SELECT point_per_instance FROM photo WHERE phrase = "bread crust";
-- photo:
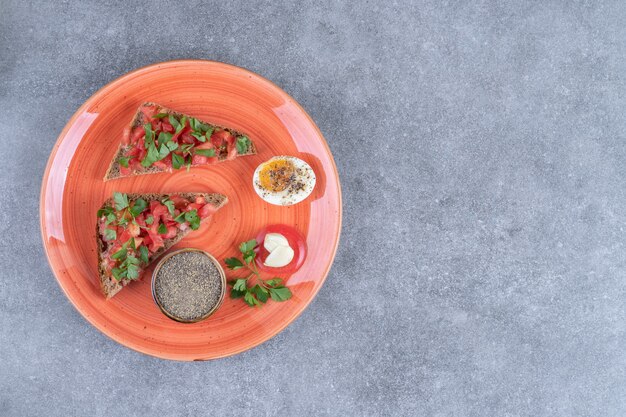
(109, 285)
(113, 171)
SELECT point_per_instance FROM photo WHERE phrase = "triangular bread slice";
(115, 169)
(108, 284)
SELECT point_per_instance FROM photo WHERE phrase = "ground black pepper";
(188, 285)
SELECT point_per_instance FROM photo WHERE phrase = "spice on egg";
(188, 286)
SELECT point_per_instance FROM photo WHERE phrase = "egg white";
(287, 197)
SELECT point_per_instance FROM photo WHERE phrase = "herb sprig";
(257, 294)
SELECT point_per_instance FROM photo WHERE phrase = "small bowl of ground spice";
(188, 285)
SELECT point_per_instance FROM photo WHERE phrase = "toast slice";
(161, 215)
(191, 142)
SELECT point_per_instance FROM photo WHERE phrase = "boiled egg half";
(280, 253)
(284, 180)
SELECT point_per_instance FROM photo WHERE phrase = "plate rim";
(44, 182)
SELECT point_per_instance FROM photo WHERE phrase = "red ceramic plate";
(73, 190)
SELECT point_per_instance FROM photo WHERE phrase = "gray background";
(482, 155)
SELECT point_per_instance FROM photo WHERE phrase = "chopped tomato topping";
(206, 211)
(187, 134)
(199, 160)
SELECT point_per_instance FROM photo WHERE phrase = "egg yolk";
(276, 175)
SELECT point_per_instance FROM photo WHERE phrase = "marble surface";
(481, 148)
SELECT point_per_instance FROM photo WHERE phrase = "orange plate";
(73, 190)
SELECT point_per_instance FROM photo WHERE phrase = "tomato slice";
(296, 241)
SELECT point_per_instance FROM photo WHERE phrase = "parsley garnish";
(177, 161)
(110, 234)
(259, 293)
(124, 161)
(138, 207)
(243, 143)
(169, 204)
(205, 152)
(121, 201)
(162, 229)
(193, 219)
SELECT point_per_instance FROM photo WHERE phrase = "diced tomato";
(159, 164)
(156, 241)
(137, 134)
(206, 211)
(187, 138)
(193, 206)
(141, 220)
(218, 137)
(156, 125)
(200, 200)
(199, 160)
(166, 126)
(138, 242)
(171, 232)
(124, 236)
(179, 202)
(148, 111)
(133, 229)
(157, 209)
(134, 165)
(126, 135)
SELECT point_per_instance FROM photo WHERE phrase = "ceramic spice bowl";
(188, 285)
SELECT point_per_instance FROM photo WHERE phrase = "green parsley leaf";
(149, 136)
(130, 260)
(205, 152)
(240, 284)
(280, 293)
(209, 132)
(110, 218)
(261, 293)
(199, 136)
(177, 161)
(163, 151)
(193, 122)
(237, 294)
(120, 254)
(164, 138)
(121, 201)
(180, 218)
(243, 143)
(233, 263)
(248, 257)
(246, 247)
(143, 254)
(149, 219)
(183, 122)
(172, 146)
(162, 229)
(274, 282)
(186, 148)
(169, 204)
(110, 234)
(105, 211)
(193, 219)
(151, 157)
(132, 271)
(119, 273)
(250, 299)
(124, 161)
(160, 115)
(138, 207)
(174, 122)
